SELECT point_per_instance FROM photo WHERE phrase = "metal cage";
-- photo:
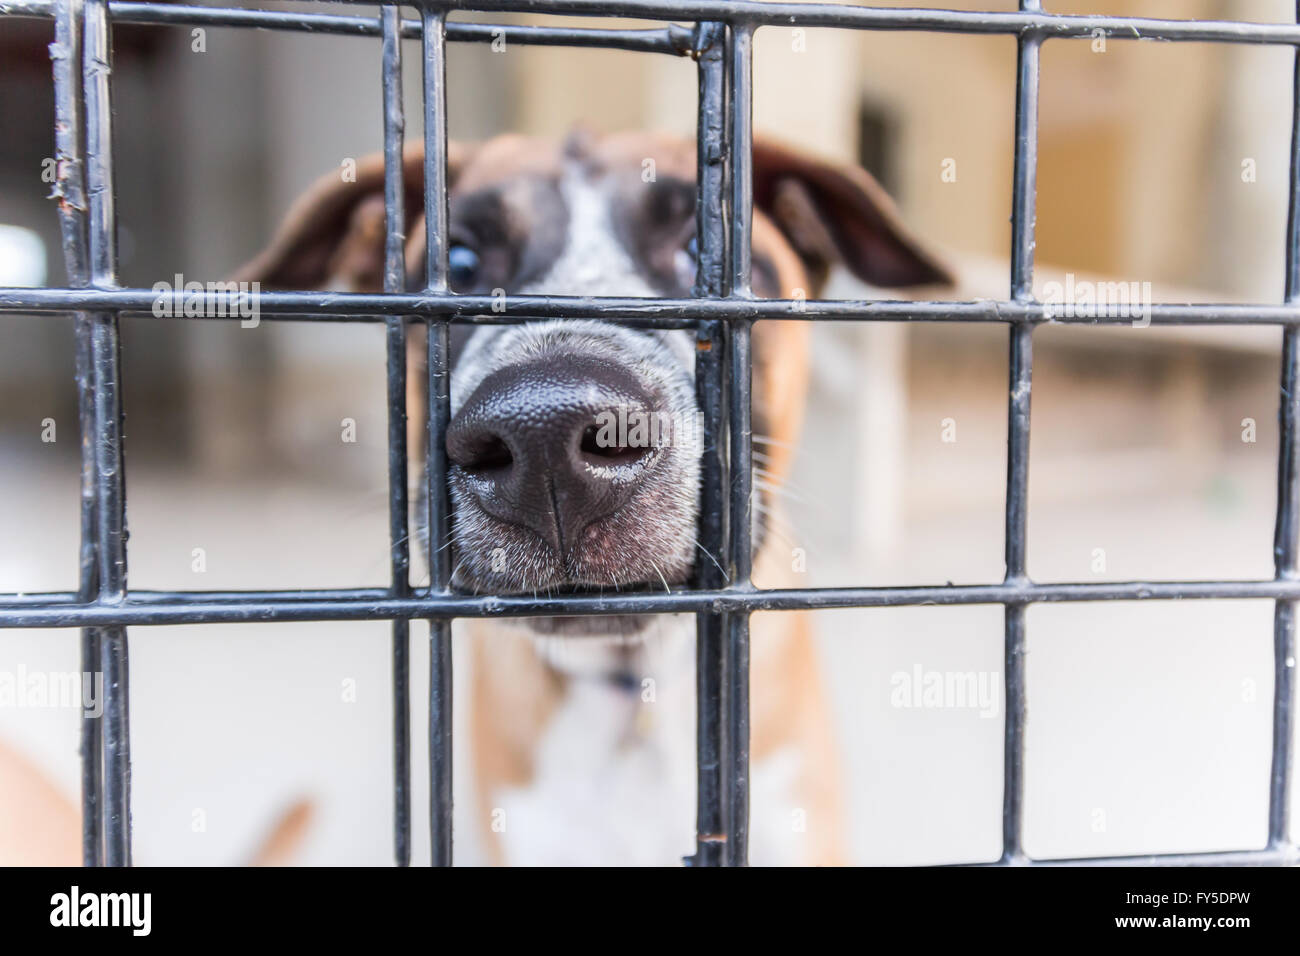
(722, 313)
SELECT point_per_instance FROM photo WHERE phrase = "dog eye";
(685, 262)
(462, 267)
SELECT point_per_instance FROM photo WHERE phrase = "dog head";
(574, 446)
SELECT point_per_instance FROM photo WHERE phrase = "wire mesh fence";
(718, 35)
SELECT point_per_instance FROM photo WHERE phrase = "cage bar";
(212, 607)
(673, 40)
(69, 188)
(740, 65)
(648, 313)
(676, 40)
(721, 314)
(439, 509)
(1287, 528)
(1020, 374)
(712, 130)
(109, 483)
(849, 17)
(398, 508)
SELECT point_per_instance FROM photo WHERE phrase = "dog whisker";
(711, 558)
(769, 440)
(780, 480)
(779, 491)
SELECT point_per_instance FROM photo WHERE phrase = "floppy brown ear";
(333, 235)
(833, 213)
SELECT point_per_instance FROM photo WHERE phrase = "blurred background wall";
(1153, 453)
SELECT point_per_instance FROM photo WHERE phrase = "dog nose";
(556, 444)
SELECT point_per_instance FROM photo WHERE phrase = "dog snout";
(546, 444)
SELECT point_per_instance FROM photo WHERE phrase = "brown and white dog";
(583, 728)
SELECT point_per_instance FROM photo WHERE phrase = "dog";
(583, 728)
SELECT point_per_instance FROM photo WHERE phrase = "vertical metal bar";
(69, 184)
(1288, 510)
(110, 488)
(1013, 748)
(398, 509)
(1020, 374)
(740, 434)
(97, 66)
(69, 190)
(435, 215)
(115, 665)
(740, 66)
(1024, 183)
(710, 380)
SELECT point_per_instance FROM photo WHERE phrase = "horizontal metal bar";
(1272, 856)
(254, 607)
(480, 309)
(674, 40)
(38, 599)
(846, 16)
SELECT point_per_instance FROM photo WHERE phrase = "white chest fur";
(615, 773)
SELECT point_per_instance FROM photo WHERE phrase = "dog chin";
(616, 626)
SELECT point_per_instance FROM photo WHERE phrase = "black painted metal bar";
(439, 510)
(1287, 528)
(115, 666)
(1020, 376)
(69, 190)
(1282, 856)
(850, 17)
(740, 65)
(676, 40)
(673, 40)
(224, 304)
(142, 597)
(712, 130)
(345, 605)
(69, 183)
(110, 487)
(398, 509)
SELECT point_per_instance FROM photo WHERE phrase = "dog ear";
(833, 213)
(333, 235)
